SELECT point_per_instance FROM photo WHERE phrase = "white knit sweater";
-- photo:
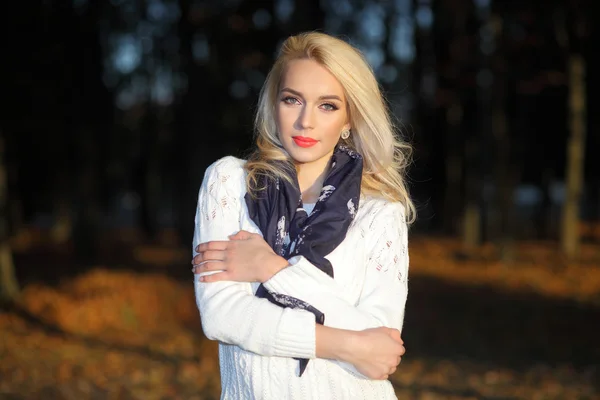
(259, 340)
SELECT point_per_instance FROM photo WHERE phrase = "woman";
(301, 251)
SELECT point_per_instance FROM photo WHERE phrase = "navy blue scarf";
(278, 212)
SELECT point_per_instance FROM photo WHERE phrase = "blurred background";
(112, 110)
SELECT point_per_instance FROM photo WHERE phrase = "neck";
(311, 177)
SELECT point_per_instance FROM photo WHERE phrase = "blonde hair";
(385, 156)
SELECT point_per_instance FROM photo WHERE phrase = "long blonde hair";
(385, 156)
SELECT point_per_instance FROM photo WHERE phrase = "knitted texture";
(259, 340)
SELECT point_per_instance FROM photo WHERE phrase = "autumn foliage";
(111, 334)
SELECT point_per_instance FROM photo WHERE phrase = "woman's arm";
(385, 284)
(230, 312)
(373, 353)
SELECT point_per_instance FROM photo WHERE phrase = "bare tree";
(502, 215)
(506, 174)
(571, 41)
(575, 155)
(9, 288)
(454, 164)
(454, 147)
(476, 141)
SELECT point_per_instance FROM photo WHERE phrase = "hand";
(377, 352)
(244, 258)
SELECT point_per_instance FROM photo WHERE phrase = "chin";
(306, 156)
(303, 159)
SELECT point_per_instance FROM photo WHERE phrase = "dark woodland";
(112, 110)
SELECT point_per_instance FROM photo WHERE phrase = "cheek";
(285, 119)
(333, 128)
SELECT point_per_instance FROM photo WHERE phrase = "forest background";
(113, 110)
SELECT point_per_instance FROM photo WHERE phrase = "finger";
(219, 276)
(212, 255)
(395, 334)
(402, 350)
(209, 266)
(214, 245)
(399, 361)
(392, 370)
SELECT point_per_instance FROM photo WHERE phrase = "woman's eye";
(329, 107)
(290, 100)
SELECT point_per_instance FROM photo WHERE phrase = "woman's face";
(311, 112)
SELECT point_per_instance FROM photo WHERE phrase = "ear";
(347, 126)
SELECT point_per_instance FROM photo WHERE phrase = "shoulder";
(383, 227)
(225, 174)
(377, 216)
(227, 165)
(377, 210)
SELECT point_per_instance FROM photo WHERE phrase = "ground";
(475, 328)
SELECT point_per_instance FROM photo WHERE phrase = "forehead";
(310, 78)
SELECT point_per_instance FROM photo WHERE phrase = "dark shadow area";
(49, 266)
(416, 389)
(54, 330)
(482, 324)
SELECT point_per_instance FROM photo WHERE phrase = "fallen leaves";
(123, 335)
(538, 267)
(119, 307)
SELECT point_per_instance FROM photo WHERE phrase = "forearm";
(306, 282)
(233, 315)
(364, 354)
(333, 343)
(384, 285)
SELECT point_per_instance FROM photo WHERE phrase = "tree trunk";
(454, 167)
(9, 288)
(148, 180)
(194, 111)
(575, 156)
(89, 132)
(486, 96)
(472, 225)
(502, 229)
(547, 221)
(502, 216)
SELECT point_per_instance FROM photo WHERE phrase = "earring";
(345, 134)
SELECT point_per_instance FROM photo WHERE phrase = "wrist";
(336, 344)
(349, 344)
(275, 264)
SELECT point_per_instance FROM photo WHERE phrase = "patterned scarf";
(279, 213)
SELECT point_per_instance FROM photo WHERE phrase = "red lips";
(303, 141)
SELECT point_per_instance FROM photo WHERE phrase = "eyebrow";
(325, 97)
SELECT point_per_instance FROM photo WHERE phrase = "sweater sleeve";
(229, 311)
(385, 283)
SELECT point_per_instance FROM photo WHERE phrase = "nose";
(305, 119)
